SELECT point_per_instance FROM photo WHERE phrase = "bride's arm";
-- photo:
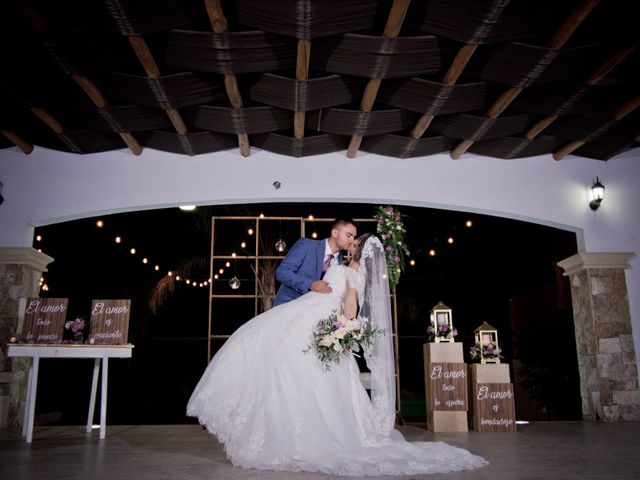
(350, 307)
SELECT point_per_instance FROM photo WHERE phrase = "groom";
(302, 269)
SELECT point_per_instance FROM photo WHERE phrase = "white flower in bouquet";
(336, 335)
(353, 325)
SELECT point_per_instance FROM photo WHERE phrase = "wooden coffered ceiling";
(402, 78)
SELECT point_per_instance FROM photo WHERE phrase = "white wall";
(49, 186)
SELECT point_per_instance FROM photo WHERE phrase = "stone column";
(606, 354)
(20, 271)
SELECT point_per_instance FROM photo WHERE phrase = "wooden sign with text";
(44, 320)
(110, 322)
(494, 407)
(447, 386)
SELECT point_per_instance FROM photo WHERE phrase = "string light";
(310, 217)
(450, 240)
(133, 251)
(228, 264)
(412, 262)
(250, 231)
(99, 224)
(118, 239)
(156, 268)
(39, 238)
(145, 260)
(468, 223)
(432, 252)
(221, 271)
(314, 235)
(243, 245)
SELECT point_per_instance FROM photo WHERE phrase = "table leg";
(25, 417)
(94, 390)
(103, 398)
(33, 382)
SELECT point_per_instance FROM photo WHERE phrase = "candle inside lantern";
(441, 318)
(486, 339)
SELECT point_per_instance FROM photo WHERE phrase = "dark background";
(499, 270)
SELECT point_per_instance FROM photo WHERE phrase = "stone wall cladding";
(606, 354)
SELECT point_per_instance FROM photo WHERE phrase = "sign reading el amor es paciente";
(494, 407)
(110, 322)
(44, 320)
(447, 386)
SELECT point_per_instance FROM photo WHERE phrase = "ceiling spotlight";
(277, 185)
(187, 208)
(597, 194)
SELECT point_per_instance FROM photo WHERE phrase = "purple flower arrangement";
(477, 352)
(442, 331)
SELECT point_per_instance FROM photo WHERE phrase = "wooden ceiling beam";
(145, 57)
(391, 30)
(219, 25)
(559, 39)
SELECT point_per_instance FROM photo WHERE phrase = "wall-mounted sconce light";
(597, 194)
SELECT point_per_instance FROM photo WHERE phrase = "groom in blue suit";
(301, 270)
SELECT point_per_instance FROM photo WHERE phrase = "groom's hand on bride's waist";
(320, 286)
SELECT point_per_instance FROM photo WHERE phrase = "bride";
(277, 408)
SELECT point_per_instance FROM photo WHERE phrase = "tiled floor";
(549, 451)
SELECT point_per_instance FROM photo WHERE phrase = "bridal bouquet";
(336, 335)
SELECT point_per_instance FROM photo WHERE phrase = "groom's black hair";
(343, 221)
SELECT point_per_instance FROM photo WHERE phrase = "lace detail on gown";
(276, 408)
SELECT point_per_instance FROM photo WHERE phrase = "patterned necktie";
(327, 263)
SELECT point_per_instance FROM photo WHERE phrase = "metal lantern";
(442, 323)
(487, 343)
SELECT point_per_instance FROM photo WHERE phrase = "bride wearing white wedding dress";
(277, 408)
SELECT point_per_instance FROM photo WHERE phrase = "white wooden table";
(97, 352)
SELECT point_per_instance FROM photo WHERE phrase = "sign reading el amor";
(494, 407)
(44, 320)
(447, 386)
(110, 322)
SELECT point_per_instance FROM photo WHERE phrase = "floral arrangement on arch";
(336, 335)
(392, 232)
(443, 331)
(478, 352)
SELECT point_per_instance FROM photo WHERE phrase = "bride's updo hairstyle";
(362, 239)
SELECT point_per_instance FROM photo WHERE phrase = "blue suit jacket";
(300, 268)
